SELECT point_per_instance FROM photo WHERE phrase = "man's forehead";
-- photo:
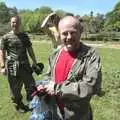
(15, 19)
(69, 20)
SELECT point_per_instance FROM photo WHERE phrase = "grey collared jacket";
(83, 81)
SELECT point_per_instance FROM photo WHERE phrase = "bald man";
(75, 72)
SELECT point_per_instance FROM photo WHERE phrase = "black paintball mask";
(38, 69)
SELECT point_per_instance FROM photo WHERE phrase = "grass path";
(115, 45)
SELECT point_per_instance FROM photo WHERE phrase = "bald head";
(70, 20)
(70, 32)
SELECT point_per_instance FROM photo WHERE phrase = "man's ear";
(80, 28)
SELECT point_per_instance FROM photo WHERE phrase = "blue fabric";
(40, 110)
(44, 107)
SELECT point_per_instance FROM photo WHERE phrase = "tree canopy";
(32, 19)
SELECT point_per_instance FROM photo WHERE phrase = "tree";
(112, 19)
(4, 13)
(13, 11)
(60, 13)
(31, 20)
(25, 17)
(45, 10)
(97, 23)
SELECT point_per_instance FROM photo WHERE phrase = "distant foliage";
(96, 27)
(31, 20)
(112, 22)
(102, 36)
(4, 28)
(4, 13)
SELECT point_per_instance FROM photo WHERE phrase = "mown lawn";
(106, 107)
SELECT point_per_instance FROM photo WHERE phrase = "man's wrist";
(2, 66)
(35, 62)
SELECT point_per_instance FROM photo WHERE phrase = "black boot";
(20, 107)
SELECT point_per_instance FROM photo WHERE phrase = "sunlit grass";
(104, 108)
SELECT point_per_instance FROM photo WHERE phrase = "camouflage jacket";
(15, 48)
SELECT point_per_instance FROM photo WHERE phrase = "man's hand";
(34, 64)
(40, 87)
(38, 68)
(50, 88)
(3, 71)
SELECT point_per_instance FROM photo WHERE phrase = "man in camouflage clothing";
(75, 72)
(13, 53)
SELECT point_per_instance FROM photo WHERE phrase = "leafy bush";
(4, 28)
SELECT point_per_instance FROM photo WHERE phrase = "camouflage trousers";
(16, 83)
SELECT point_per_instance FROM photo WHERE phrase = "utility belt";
(14, 65)
(16, 59)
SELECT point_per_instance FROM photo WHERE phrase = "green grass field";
(106, 107)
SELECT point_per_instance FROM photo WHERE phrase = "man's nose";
(69, 36)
